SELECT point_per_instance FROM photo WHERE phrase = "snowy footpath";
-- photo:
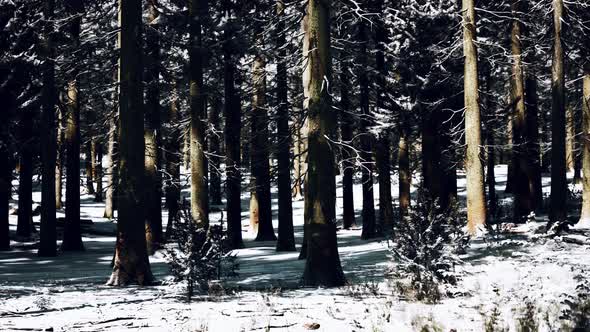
(507, 281)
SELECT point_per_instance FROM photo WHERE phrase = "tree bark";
(199, 190)
(585, 214)
(89, 162)
(152, 136)
(286, 238)
(383, 155)
(570, 136)
(558, 164)
(98, 196)
(534, 153)
(215, 153)
(522, 168)
(111, 169)
(59, 161)
(131, 262)
(348, 162)
(322, 267)
(404, 172)
(368, 212)
(48, 233)
(173, 160)
(260, 199)
(24, 228)
(232, 116)
(476, 205)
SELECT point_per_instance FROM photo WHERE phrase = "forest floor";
(507, 280)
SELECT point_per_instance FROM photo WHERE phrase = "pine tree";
(131, 262)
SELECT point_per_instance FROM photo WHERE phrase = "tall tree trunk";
(89, 164)
(72, 239)
(286, 238)
(59, 160)
(534, 153)
(260, 199)
(476, 202)
(152, 136)
(232, 133)
(173, 159)
(199, 190)
(404, 172)
(24, 226)
(348, 162)
(322, 267)
(111, 169)
(366, 148)
(48, 233)
(383, 155)
(570, 136)
(585, 214)
(299, 164)
(522, 169)
(131, 262)
(215, 153)
(558, 165)
(98, 196)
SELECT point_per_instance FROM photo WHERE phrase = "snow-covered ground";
(518, 273)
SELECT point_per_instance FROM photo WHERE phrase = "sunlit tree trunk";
(322, 267)
(59, 161)
(404, 172)
(152, 135)
(570, 135)
(199, 190)
(476, 204)
(48, 233)
(98, 197)
(111, 169)
(131, 262)
(558, 165)
(260, 200)
(286, 238)
(585, 215)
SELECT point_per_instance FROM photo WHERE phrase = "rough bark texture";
(48, 234)
(366, 146)
(232, 115)
(131, 263)
(570, 135)
(558, 166)
(300, 164)
(98, 196)
(522, 168)
(476, 204)
(322, 267)
(260, 199)
(89, 160)
(24, 227)
(152, 136)
(111, 169)
(59, 161)
(286, 237)
(348, 162)
(199, 188)
(585, 215)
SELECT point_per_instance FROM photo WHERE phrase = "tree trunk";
(476, 204)
(48, 233)
(348, 162)
(299, 164)
(585, 215)
(366, 148)
(570, 136)
(59, 160)
(522, 168)
(534, 153)
(98, 196)
(89, 164)
(490, 149)
(322, 267)
(232, 116)
(260, 199)
(558, 165)
(131, 262)
(383, 155)
(215, 153)
(404, 172)
(152, 136)
(111, 169)
(199, 190)
(173, 159)
(24, 227)
(286, 238)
